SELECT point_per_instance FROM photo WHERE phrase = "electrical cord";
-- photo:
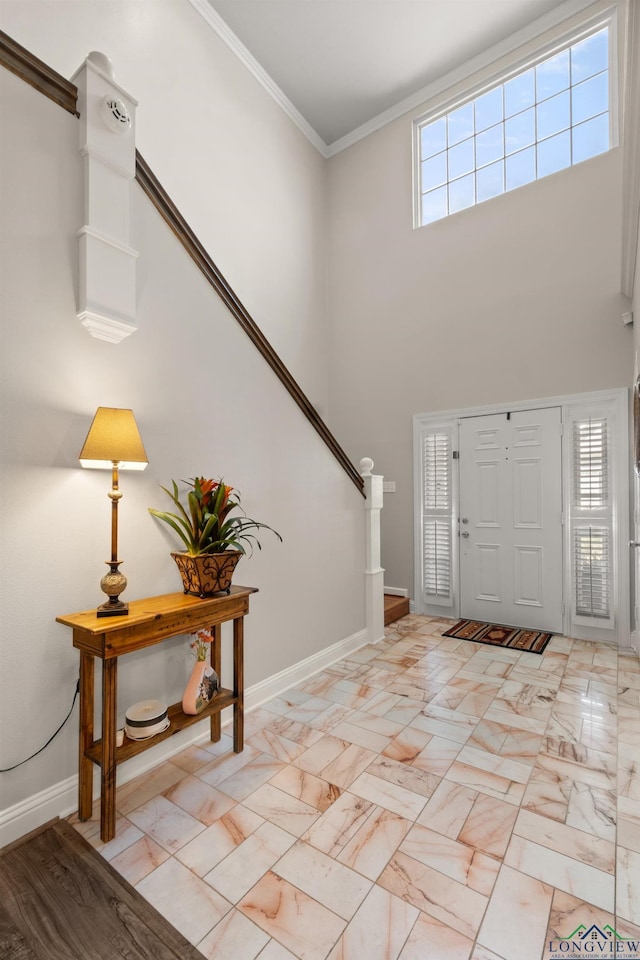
(26, 760)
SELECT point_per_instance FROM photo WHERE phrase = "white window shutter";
(591, 464)
(591, 518)
(592, 571)
(437, 507)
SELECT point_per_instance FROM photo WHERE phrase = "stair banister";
(29, 68)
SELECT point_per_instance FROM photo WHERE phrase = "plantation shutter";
(592, 521)
(437, 510)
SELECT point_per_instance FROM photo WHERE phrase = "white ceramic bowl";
(146, 719)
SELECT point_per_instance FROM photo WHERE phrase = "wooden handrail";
(35, 72)
(172, 216)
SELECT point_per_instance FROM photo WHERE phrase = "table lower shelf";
(177, 721)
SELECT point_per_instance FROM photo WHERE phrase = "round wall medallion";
(115, 114)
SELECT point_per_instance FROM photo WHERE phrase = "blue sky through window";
(546, 118)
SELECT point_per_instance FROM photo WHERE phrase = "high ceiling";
(342, 63)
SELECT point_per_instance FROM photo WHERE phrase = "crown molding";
(550, 20)
(509, 45)
(227, 35)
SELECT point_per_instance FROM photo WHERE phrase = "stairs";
(394, 608)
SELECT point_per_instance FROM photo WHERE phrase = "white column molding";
(374, 573)
(107, 275)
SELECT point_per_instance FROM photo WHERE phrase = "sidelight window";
(437, 506)
(591, 519)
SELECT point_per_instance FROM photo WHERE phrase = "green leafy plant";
(204, 524)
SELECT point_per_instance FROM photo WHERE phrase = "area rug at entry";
(533, 641)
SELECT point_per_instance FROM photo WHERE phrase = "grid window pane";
(520, 131)
(489, 146)
(434, 205)
(590, 98)
(433, 138)
(461, 159)
(521, 168)
(591, 138)
(554, 154)
(489, 109)
(590, 56)
(490, 181)
(460, 124)
(519, 93)
(552, 76)
(553, 115)
(462, 193)
(434, 172)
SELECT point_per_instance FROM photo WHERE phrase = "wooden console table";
(149, 622)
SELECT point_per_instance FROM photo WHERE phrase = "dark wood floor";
(394, 608)
(60, 900)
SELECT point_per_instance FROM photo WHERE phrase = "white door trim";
(619, 398)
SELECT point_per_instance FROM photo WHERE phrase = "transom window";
(548, 116)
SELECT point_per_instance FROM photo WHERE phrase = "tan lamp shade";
(113, 438)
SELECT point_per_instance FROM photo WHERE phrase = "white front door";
(511, 519)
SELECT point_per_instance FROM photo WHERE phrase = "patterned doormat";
(533, 641)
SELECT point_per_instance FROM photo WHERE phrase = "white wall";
(205, 402)
(248, 182)
(515, 299)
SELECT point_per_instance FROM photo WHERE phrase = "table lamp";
(113, 443)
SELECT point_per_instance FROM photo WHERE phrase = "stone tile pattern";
(425, 797)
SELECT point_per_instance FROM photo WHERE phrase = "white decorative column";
(107, 278)
(374, 573)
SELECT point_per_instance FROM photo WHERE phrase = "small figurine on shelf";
(203, 682)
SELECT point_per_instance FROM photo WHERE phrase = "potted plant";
(214, 539)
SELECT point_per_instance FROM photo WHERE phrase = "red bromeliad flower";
(204, 524)
(208, 493)
(206, 487)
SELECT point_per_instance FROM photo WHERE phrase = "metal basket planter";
(208, 573)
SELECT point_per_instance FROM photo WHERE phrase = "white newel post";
(374, 573)
(107, 274)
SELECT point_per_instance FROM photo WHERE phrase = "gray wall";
(247, 181)
(515, 299)
(206, 403)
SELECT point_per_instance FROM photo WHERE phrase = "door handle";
(634, 543)
(465, 534)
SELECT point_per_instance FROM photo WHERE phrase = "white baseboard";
(396, 591)
(22, 817)
(61, 799)
(634, 643)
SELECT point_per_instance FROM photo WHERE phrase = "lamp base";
(117, 609)
(113, 584)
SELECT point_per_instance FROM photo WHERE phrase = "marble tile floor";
(425, 798)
